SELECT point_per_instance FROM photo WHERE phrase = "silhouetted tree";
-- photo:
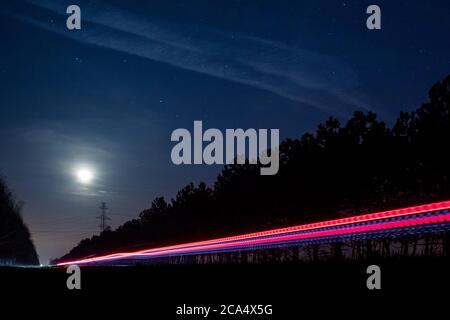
(15, 241)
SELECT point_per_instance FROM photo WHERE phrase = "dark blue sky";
(109, 95)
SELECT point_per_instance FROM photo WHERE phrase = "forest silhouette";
(339, 170)
(16, 246)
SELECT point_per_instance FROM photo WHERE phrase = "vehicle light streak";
(402, 218)
(325, 233)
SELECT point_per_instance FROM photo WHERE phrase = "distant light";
(84, 176)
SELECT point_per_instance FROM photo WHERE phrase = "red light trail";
(366, 223)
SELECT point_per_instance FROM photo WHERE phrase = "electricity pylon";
(103, 218)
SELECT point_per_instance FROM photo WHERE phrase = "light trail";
(429, 214)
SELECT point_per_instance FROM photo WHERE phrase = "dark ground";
(294, 290)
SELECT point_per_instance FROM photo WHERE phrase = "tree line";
(339, 170)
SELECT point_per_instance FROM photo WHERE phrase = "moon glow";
(84, 176)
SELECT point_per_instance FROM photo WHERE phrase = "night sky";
(109, 95)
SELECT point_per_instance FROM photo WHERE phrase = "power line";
(103, 217)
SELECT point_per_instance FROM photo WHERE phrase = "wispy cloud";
(297, 74)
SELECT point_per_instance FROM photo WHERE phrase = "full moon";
(84, 176)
